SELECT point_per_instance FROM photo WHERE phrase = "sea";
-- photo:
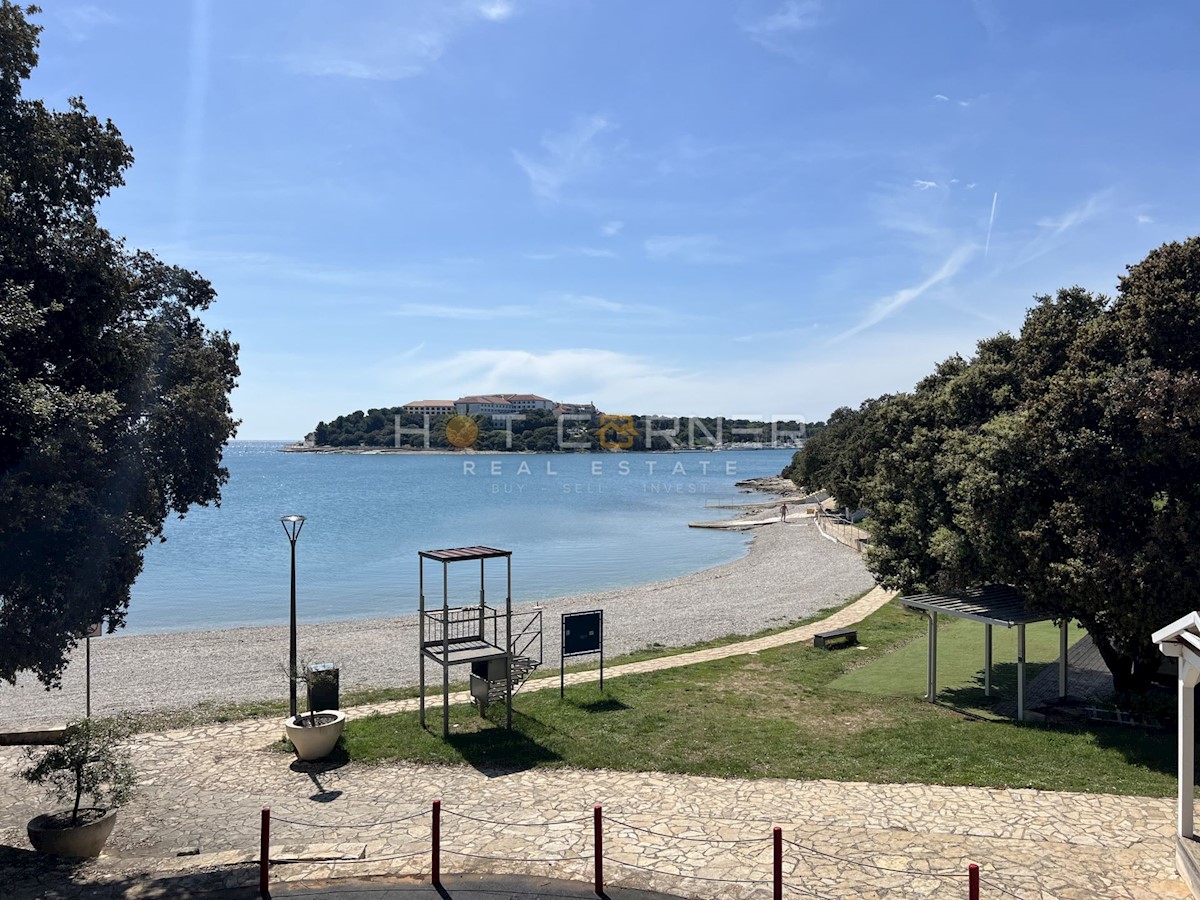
(576, 523)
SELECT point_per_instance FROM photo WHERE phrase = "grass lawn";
(778, 714)
(960, 664)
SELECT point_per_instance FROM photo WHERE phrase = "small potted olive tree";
(314, 734)
(89, 762)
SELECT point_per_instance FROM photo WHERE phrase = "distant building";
(578, 409)
(430, 407)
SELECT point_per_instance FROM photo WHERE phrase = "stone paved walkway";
(203, 789)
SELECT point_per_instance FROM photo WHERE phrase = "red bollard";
(973, 881)
(598, 835)
(435, 865)
(778, 836)
(264, 853)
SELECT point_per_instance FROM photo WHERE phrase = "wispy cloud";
(80, 21)
(590, 252)
(991, 221)
(1074, 217)
(922, 185)
(567, 155)
(940, 97)
(496, 10)
(893, 303)
(776, 31)
(1144, 219)
(403, 42)
(443, 311)
(692, 248)
(587, 301)
(610, 229)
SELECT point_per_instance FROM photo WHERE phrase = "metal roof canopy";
(991, 604)
(461, 554)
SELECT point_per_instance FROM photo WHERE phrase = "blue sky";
(740, 208)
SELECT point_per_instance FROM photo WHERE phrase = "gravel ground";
(791, 572)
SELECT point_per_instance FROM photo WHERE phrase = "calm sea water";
(576, 523)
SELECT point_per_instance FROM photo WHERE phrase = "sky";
(681, 207)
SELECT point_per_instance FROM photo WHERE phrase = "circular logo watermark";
(462, 431)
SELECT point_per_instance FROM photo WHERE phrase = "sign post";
(582, 633)
(95, 631)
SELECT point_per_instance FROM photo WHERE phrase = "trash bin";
(324, 686)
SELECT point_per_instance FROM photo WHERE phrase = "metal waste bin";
(324, 686)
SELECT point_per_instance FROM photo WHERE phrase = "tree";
(114, 398)
(1061, 461)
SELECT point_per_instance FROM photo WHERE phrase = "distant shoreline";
(470, 451)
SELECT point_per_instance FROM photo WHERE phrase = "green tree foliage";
(1061, 461)
(113, 396)
(90, 762)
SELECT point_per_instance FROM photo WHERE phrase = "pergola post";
(987, 660)
(931, 694)
(1021, 672)
(445, 650)
(1187, 747)
(421, 632)
(1062, 658)
(508, 646)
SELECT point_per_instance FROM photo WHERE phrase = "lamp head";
(292, 526)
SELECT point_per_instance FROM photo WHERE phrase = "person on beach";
(783, 513)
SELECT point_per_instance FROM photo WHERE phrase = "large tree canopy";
(114, 398)
(1062, 461)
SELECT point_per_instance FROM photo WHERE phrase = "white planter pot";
(82, 840)
(314, 742)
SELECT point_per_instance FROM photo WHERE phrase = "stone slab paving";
(203, 789)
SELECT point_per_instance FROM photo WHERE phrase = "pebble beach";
(790, 572)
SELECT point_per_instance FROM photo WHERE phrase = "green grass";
(213, 713)
(777, 714)
(960, 664)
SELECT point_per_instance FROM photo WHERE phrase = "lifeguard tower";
(470, 634)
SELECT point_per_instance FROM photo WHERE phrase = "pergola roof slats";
(460, 554)
(992, 604)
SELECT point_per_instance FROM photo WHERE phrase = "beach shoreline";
(789, 573)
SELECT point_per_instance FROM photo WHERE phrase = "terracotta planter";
(314, 742)
(82, 840)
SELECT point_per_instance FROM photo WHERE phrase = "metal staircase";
(526, 657)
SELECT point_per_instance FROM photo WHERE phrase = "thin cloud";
(586, 301)
(1074, 217)
(777, 31)
(991, 221)
(922, 185)
(611, 229)
(441, 311)
(893, 303)
(81, 21)
(402, 43)
(692, 248)
(940, 97)
(1144, 219)
(568, 155)
(496, 11)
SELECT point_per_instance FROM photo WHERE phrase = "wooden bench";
(849, 635)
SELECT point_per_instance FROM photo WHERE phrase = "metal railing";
(461, 623)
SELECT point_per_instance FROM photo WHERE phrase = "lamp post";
(291, 527)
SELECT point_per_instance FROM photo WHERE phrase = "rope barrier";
(864, 865)
(682, 837)
(418, 814)
(621, 862)
(1001, 889)
(805, 891)
(574, 821)
(524, 859)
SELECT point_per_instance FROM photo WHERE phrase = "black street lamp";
(291, 527)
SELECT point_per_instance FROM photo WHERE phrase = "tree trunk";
(1130, 674)
(78, 795)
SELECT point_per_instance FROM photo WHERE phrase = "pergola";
(991, 604)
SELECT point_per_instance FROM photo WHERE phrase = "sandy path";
(790, 572)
